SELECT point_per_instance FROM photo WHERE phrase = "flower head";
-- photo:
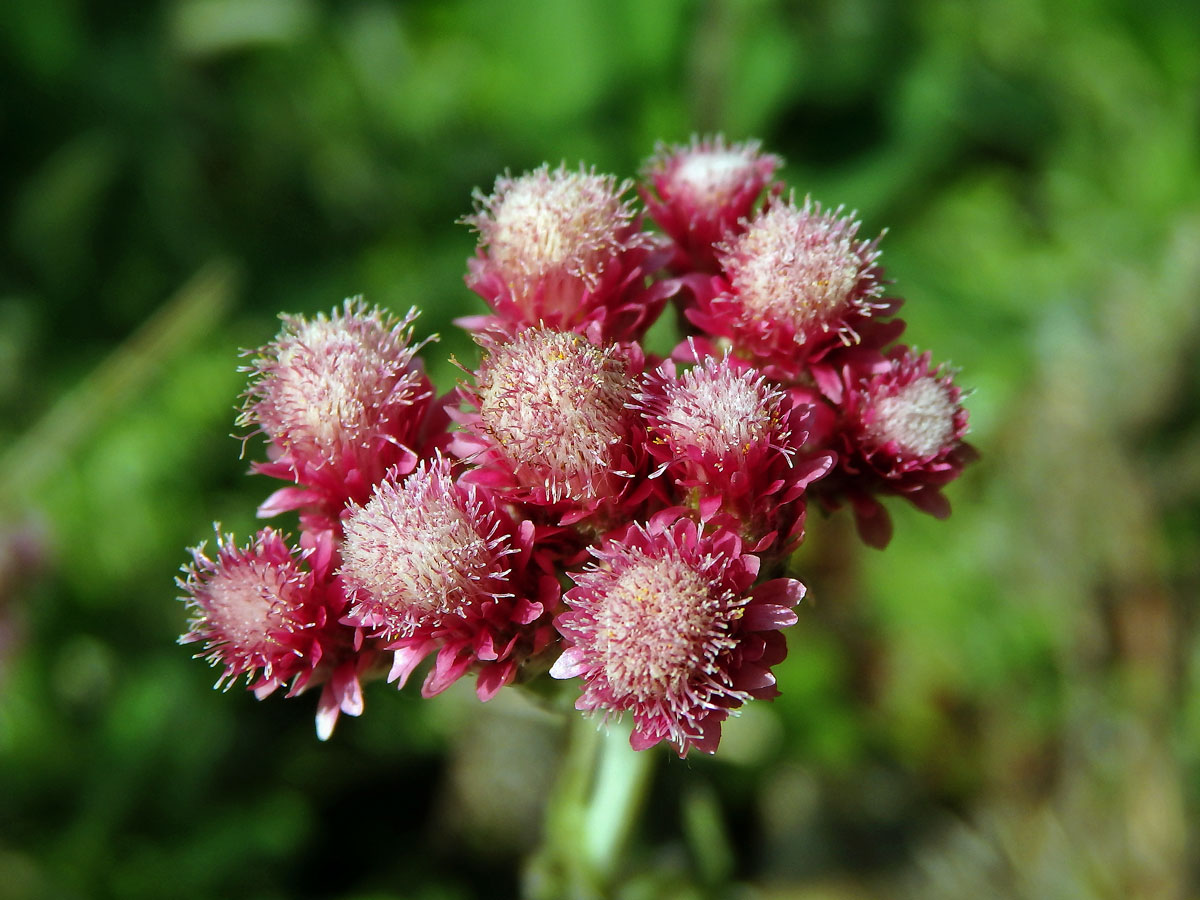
(668, 626)
(701, 193)
(564, 248)
(908, 418)
(270, 613)
(901, 432)
(723, 432)
(552, 424)
(798, 282)
(419, 550)
(255, 609)
(341, 399)
(431, 565)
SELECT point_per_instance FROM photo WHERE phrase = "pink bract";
(902, 429)
(445, 529)
(260, 613)
(421, 548)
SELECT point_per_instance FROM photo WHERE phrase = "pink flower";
(565, 249)
(429, 564)
(552, 427)
(702, 192)
(731, 439)
(797, 282)
(260, 613)
(421, 549)
(901, 432)
(341, 399)
(669, 626)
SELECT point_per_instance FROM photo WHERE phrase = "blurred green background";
(1002, 705)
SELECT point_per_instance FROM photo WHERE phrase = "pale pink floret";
(254, 608)
(342, 399)
(432, 564)
(669, 626)
(731, 440)
(260, 612)
(419, 550)
(902, 432)
(797, 283)
(551, 425)
(703, 192)
(564, 248)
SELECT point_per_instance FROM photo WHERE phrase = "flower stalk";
(591, 813)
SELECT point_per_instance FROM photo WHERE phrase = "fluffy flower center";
(710, 179)
(415, 551)
(796, 266)
(548, 221)
(247, 601)
(919, 417)
(331, 381)
(656, 628)
(554, 405)
(716, 410)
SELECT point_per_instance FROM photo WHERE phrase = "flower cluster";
(576, 506)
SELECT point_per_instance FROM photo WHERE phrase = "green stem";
(621, 781)
(589, 815)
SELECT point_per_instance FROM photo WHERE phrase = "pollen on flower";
(802, 268)
(331, 385)
(419, 550)
(555, 407)
(919, 418)
(658, 624)
(547, 222)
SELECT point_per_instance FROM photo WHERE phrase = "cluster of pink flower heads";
(577, 507)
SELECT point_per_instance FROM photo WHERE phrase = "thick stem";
(620, 786)
(589, 815)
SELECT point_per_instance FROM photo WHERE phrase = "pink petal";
(752, 678)
(640, 741)
(285, 500)
(828, 382)
(781, 592)
(569, 665)
(767, 617)
(346, 684)
(710, 736)
(709, 507)
(327, 713)
(449, 667)
(484, 648)
(933, 502)
(492, 678)
(873, 522)
(815, 468)
(526, 611)
(406, 659)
